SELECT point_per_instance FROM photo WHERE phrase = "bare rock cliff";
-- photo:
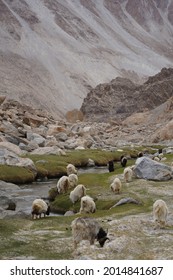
(121, 97)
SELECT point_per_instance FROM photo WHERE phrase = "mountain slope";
(53, 52)
(121, 97)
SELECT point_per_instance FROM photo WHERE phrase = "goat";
(88, 229)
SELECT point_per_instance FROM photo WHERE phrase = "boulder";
(7, 203)
(11, 148)
(146, 168)
(9, 158)
(48, 151)
(33, 120)
(62, 136)
(37, 138)
(54, 129)
(8, 128)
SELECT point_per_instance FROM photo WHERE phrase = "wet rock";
(7, 203)
(90, 163)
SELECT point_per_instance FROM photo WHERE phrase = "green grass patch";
(15, 174)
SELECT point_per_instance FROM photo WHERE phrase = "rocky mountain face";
(121, 97)
(53, 52)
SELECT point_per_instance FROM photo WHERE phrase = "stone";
(148, 169)
(54, 129)
(11, 147)
(10, 158)
(32, 146)
(48, 151)
(61, 136)
(7, 203)
(90, 163)
(33, 120)
(38, 139)
(2, 99)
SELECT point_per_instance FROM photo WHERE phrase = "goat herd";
(87, 228)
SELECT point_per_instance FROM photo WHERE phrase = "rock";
(54, 129)
(51, 141)
(8, 127)
(9, 214)
(168, 150)
(32, 146)
(8, 188)
(69, 213)
(113, 100)
(90, 163)
(79, 148)
(7, 203)
(38, 139)
(11, 147)
(146, 168)
(62, 136)
(48, 151)
(126, 200)
(9, 158)
(2, 99)
(33, 120)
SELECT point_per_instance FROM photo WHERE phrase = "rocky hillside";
(53, 52)
(121, 97)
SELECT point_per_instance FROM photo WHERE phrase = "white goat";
(87, 229)
(71, 169)
(77, 193)
(87, 205)
(160, 212)
(73, 180)
(39, 206)
(63, 184)
(128, 173)
(116, 185)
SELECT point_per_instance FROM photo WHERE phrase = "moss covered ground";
(51, 237)
(54, 166)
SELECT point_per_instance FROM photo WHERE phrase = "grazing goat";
(39, 206)
(73, 180)
(63, 184)
(77, 193)
(128, 173)
(160, 212)
(111, 166)
(87, 205)
(116, 185)
(87, 229)
(71, 169)
(123, 161)
(140, 154)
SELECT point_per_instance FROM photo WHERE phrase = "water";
(94, 169)
(27, 193)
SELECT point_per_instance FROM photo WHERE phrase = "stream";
(27, 193)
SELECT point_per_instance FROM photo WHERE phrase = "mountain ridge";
(53, 53)
(121, 97)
